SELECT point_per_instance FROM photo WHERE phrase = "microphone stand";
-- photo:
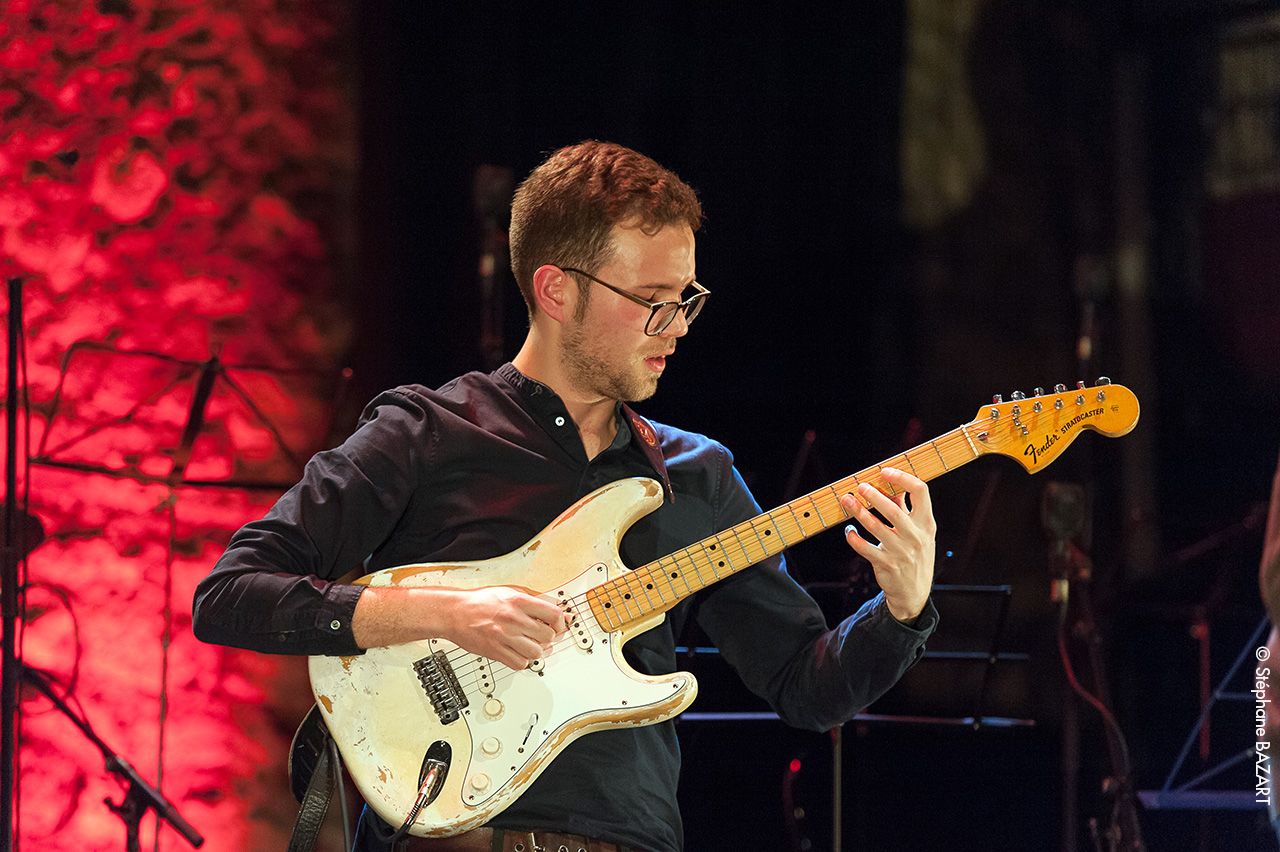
(9, 577)
(140, 796)
(1072, 569)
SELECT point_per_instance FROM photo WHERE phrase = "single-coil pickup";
(441, 685)
(577, 624)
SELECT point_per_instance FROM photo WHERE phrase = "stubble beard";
(590, 370)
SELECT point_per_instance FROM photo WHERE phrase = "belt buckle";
(533, 844)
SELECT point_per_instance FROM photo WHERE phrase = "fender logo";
(1036, 451)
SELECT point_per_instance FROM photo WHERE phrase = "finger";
(860, 545)
(912, 484)
(892, 512)
(539, 632)
(525, 648)
(544, 611)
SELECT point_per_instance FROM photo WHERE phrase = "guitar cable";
(430, 779)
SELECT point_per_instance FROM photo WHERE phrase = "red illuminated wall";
(169, 180)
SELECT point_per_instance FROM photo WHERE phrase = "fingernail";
(848, 529)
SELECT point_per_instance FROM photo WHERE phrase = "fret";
(804, 531)
(934, 444)
(684, 570)
(718, 558)
(664, 567)
(698, 581)
(605, 607)
(907, 458)
(737, 539)
(624, 596)
(764, 548)
(822, 522)
(676, 569)
(778, 542)
(646, 585)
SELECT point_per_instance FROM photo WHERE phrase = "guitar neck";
(660, 585)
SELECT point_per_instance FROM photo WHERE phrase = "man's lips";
(657, 362)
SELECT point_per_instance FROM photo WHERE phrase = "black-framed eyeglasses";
(661, 314)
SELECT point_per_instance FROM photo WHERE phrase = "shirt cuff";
(333, 621)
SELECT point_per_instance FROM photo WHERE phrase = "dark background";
(831, 314)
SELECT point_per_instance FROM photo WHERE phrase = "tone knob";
(490, 746)
(480, 782)
(493, 708)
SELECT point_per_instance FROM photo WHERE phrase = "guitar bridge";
(441, 685)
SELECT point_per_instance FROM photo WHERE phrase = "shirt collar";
(547, 405)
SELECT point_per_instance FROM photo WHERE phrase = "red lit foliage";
(169, 172)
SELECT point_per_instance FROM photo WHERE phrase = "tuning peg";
(1079, 385)
(1039, 391)
(1102, 380)
(997, 399)
(1059, 388)
(1017, 395)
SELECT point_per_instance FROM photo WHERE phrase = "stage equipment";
(124, 435)
(140, 796)
(1185, 796)
(491, 191)
(1063, 514)
(977, 718)
(14, 552)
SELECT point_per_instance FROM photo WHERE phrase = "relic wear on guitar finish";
(475, 469)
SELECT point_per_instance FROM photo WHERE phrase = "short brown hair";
(564, 211)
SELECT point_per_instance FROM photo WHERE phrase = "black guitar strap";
(319, 791)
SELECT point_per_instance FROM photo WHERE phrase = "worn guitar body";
(426, 722)
(382, 717)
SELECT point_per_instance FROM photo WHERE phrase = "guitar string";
(956, 438)
(474, 665)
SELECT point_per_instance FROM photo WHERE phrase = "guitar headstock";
(1034, 429)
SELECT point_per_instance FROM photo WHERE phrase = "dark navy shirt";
(476, 469)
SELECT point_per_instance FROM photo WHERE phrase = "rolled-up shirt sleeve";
(774, 635)
(274, 589)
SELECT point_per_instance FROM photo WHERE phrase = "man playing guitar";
(602, 246)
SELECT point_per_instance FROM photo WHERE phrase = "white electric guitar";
(440, 740)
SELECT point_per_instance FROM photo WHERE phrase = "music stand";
(1185, 796)
(123, 401)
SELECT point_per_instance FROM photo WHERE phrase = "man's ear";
(554, 292)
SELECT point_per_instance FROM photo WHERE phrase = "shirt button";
(559, 421)
(335, 624)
